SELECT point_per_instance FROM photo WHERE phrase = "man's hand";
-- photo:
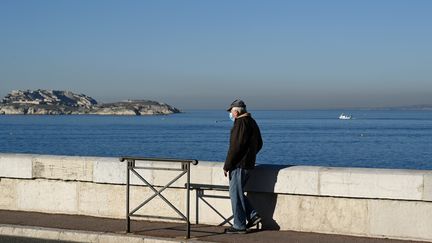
(225, 173)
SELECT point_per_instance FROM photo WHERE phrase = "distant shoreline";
(54, 102)
(117, 109)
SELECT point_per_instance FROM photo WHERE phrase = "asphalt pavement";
(174, 231)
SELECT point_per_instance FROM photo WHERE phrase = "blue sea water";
(379, 139)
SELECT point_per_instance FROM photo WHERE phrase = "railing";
(185, 169)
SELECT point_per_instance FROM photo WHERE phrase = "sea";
(373, 138)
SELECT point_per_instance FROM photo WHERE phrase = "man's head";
(237, 108)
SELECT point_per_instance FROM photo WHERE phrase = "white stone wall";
(16, 166)
(353, 201)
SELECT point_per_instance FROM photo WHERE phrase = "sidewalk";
(93, 228)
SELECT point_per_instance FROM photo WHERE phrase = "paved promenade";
(152, 231)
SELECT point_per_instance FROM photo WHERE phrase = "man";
(245, 143)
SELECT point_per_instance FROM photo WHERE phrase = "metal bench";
(200, 195)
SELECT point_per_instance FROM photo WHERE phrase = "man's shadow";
(264, 178)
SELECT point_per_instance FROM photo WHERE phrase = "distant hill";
(54, 102)
(48, 97)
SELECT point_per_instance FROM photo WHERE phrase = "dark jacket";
(245, 143)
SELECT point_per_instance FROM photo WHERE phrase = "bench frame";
(200, 195)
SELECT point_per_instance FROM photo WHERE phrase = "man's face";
(234, 113)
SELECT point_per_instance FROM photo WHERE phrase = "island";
(55, 102)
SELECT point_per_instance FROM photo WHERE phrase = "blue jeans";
(242, 209)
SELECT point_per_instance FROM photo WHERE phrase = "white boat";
(345, 117)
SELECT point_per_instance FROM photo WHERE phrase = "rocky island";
(54, 102)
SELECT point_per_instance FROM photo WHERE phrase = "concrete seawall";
(351, 201)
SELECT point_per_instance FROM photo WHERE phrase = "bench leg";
(196, 206)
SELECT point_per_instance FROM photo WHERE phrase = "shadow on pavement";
(14, 239)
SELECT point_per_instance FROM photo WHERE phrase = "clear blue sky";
(204, 54)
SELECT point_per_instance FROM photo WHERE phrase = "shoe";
(253, 221)
(232, 230)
